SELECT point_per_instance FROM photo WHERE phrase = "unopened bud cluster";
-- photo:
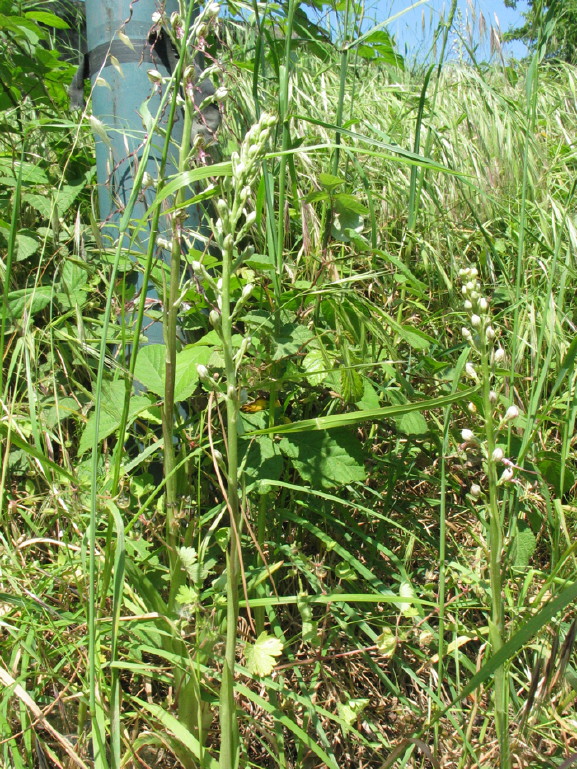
(489, 355)
(229, 230)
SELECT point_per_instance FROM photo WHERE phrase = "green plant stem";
(497, 622)
(228, 720)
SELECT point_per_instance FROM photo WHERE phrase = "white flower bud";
(468, 305)
(475, 490)
(489, 333)
(202, 372)
(156, 17)
(247, 290)
(475, 321)
(492, 396)
(466, 334)
(470, 371)
(497, 455)
(154, 76)
(499, 355)
(511, 413)
(483, 304)
(468, 436)
(472, 408)
(506, 475)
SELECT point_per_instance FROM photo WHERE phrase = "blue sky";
(413, 29)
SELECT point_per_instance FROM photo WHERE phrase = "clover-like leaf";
(261, 655)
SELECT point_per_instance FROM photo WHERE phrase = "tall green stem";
(497, 623)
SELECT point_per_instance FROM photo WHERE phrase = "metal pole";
(118, 72)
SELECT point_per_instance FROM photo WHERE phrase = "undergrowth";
(359, 546)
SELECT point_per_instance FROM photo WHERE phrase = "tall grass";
(315, 533)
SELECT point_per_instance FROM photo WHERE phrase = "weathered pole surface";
(118, 72)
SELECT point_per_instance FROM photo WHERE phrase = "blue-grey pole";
(120, 69)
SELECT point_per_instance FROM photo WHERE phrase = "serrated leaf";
(188, 558)
(28, 300)
(329, 181)
(387, 643)
(261, 655)
(350, 711)
(291, 339)
(352, 387)
(315, 367)
(525, 545)
(326, 459)
(186, 595)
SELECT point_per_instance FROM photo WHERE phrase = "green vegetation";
(561, 15)
(332, 521)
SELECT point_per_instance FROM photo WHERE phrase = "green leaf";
(350, 711)
(387, 643)
(315, 367)
(188, 558)
(358, 417)
(525, 544)
(186, 376)
(412, 424)
(291, 339)
(178, 731)
(261, 655)
(346, 203)
(264, 460)
(352, 387)
(28, 300)
(326, 459)
(110, 414)
(329, 181)
(149, 369)
(49, 19)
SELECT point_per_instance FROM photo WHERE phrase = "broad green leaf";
(110, 414)
(315, 367)
(370, 398)
(264, 460)
(291, 339)
(329, 181)
(49, 19)
(26, 244)
(149, 369)
(28, 300)
(349, 204)
(326, 459)
(261, 655)
(413, 423)
(186, 377)
(525, 544)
